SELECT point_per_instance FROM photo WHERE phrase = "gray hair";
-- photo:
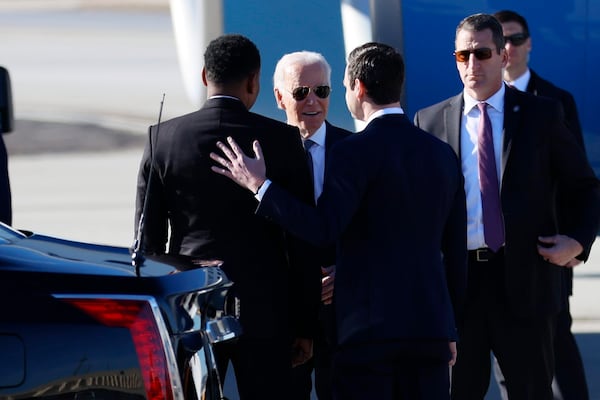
(299, 57)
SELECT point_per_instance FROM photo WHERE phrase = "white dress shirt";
(317, 151)
(522, 81)
(470, 163)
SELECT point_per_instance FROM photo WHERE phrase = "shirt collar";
(496, 101)
(522, 81)
(224, 96)
(385, 111)
(319, 136)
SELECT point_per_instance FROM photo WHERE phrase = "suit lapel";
(532, 86)
(452, 121)
(512, 120)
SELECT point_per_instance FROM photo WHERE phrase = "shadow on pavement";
(37, 137)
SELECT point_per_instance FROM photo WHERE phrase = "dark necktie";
(307, 145)
(493, 228)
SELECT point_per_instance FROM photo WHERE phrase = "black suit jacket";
(539, 154)
(211, 217)
(333, 135)
(541, 87)
(393, 199)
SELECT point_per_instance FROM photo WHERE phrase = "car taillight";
(138, 316)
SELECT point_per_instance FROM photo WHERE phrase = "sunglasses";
(481, 54)
(516, 39)
(301, 92)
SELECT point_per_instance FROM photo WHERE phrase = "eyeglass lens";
(301, 92)
(481, 54)
(516, 39)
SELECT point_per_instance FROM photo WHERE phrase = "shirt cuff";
(262, 190)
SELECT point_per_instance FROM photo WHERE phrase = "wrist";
(257, 188)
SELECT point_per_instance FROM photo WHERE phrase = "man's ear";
(278, 99)
(359, 89)
(504, 58)
(204, 76)
(252, 83)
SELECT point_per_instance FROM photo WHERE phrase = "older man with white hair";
(302, 84)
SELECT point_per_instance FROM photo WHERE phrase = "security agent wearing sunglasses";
(515, 153)
(569, 374)
(302, 86)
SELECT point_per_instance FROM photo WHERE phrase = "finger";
(227, 151)
(222, 171)
(235, 148)
(219, 159)
(547, 239)
(545, 252)
(574, 262)
(257, 150)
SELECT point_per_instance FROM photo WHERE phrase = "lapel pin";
(516, 109)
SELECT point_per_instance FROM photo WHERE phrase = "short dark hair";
(230, 59)
(380, 68)
(511, 16)
(481, 22)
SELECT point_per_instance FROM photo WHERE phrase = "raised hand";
(247, 172)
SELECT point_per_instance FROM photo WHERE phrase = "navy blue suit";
(324, 340)
(393, 201)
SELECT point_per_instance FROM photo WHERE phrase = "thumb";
(257, 150)
(547, 239)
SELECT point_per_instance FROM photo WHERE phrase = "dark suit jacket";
(211, 217)
(541, 87)
(333, 135)
(538, 155)
(393, 199)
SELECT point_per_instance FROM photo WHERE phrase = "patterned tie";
(493, 228)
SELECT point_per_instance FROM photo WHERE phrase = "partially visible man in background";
(569, 371)
(302, 84)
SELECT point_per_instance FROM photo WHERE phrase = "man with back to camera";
(516, 249)
(569, 372)
(393, 201)
(302, 84)
(212, 220)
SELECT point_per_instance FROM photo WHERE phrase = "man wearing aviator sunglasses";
(569, 371)
(516, 153)
(308, 74)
